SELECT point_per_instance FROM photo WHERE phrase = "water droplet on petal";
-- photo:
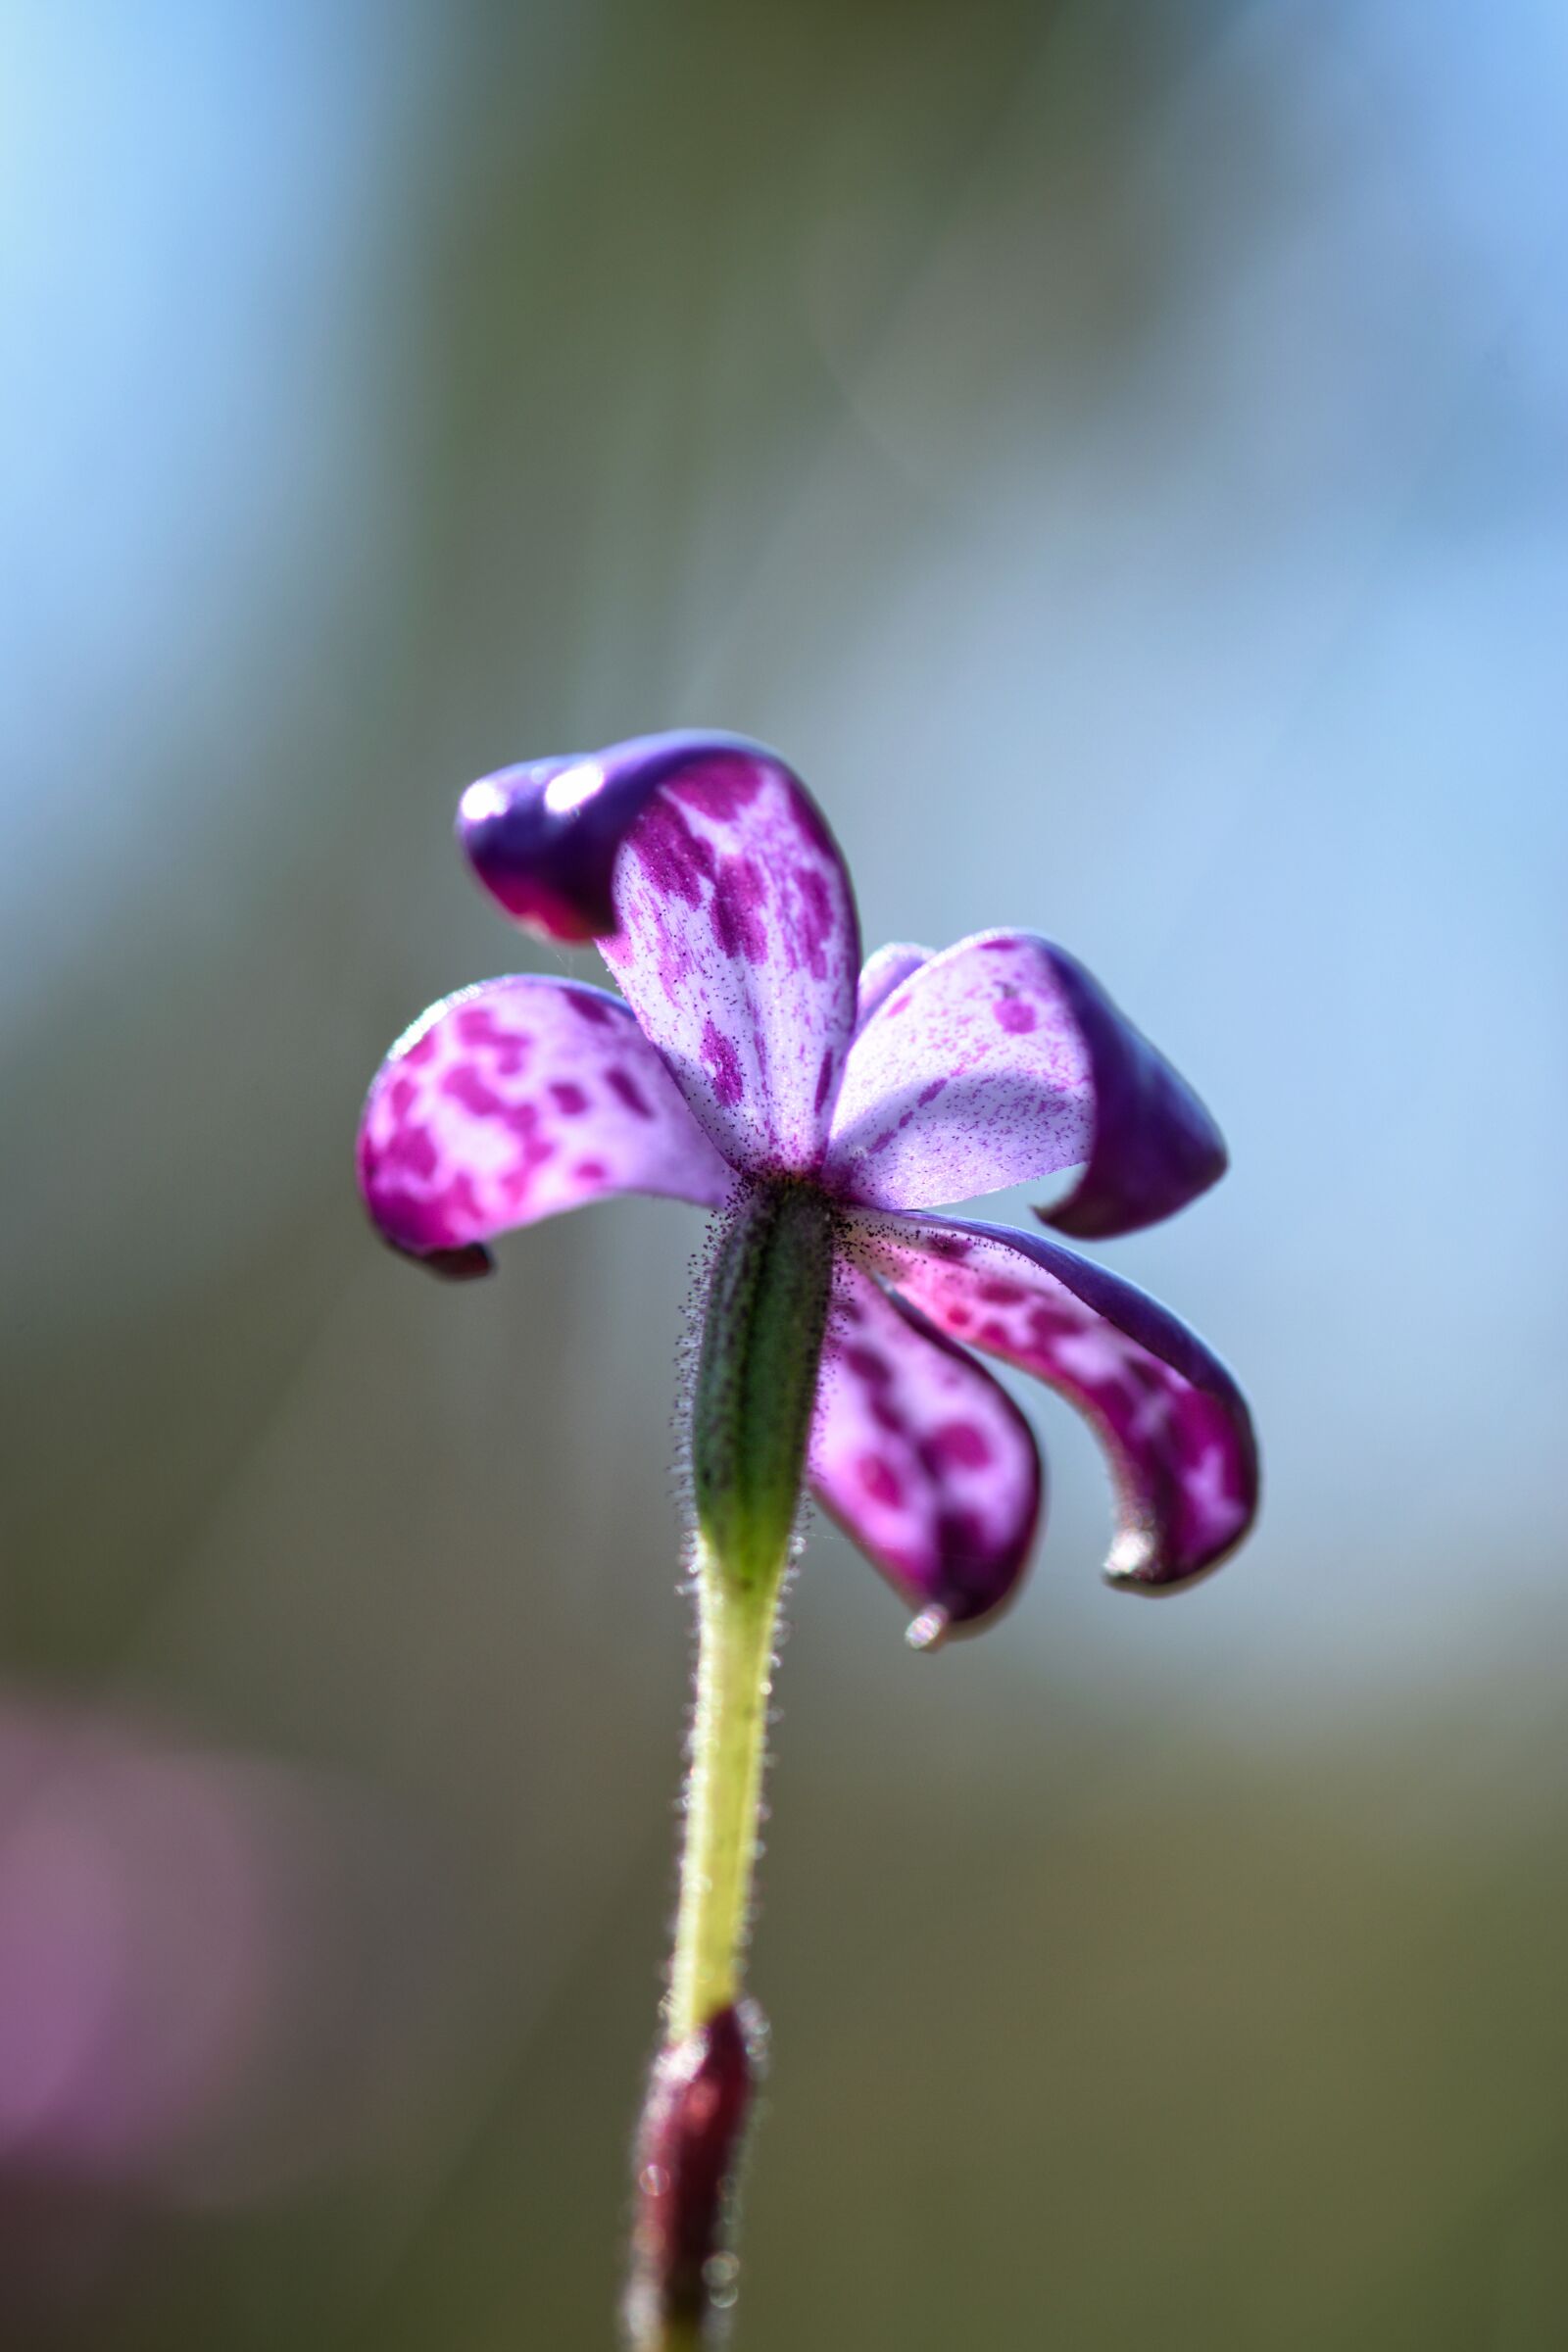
(929, 1629)
(652, 2181)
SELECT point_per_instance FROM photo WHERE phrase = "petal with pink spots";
(724, 911)
(884, 971)
(924, 1459)
(1003, 1060)
(513, 1100)
(1175, 1427)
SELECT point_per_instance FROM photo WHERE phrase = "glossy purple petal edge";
(543, 837)
(1154, 1146)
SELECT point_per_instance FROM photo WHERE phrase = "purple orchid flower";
(750, 1049)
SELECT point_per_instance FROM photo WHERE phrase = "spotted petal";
(724, 909)
(1000, 1061)
(882, 972)
(925, 1462)
(1172, 1420)
(515, 1100)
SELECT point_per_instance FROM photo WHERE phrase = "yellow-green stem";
(736, 1626)
(764, 1321)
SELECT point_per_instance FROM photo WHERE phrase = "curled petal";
(1002, 1061)
(1174, 1424)
(723, 907)
(1155, 1147)
(515, 1100)
(924, 1459)
(883, 973)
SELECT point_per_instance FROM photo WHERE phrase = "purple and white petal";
(1174, 1424)
(883, 973)
(968, 1076)
(723, 907)
(924, 1459)
(1002, 1061)
(1156, 1146)
(516, 1099)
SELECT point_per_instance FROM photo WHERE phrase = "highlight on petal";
(1174, 1425)
(723, 907)
(924, 1459)
(516, 1099)
(543, 838)
(883, 973)
(1002, 1061)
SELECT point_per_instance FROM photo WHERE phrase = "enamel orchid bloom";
(748, 1049)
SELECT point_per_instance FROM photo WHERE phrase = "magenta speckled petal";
(724, 909)
(516, 1099)
(883, 973)
(1003, 1060)
(924, 1461)
(1172, 1420)
(970, 1075)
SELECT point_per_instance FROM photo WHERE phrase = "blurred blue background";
(1119, 452)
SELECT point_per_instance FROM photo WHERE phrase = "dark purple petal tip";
(467, 1264)
(543, 837)
(1155, 1147)
(688, 2147)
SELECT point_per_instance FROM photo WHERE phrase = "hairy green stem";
(736, 1626)
(762, 1344)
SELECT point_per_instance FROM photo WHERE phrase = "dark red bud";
(688, 2148)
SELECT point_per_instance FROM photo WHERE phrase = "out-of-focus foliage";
(1116, 449)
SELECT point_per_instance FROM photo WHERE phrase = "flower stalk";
(760, 1348)
(736, 1629)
